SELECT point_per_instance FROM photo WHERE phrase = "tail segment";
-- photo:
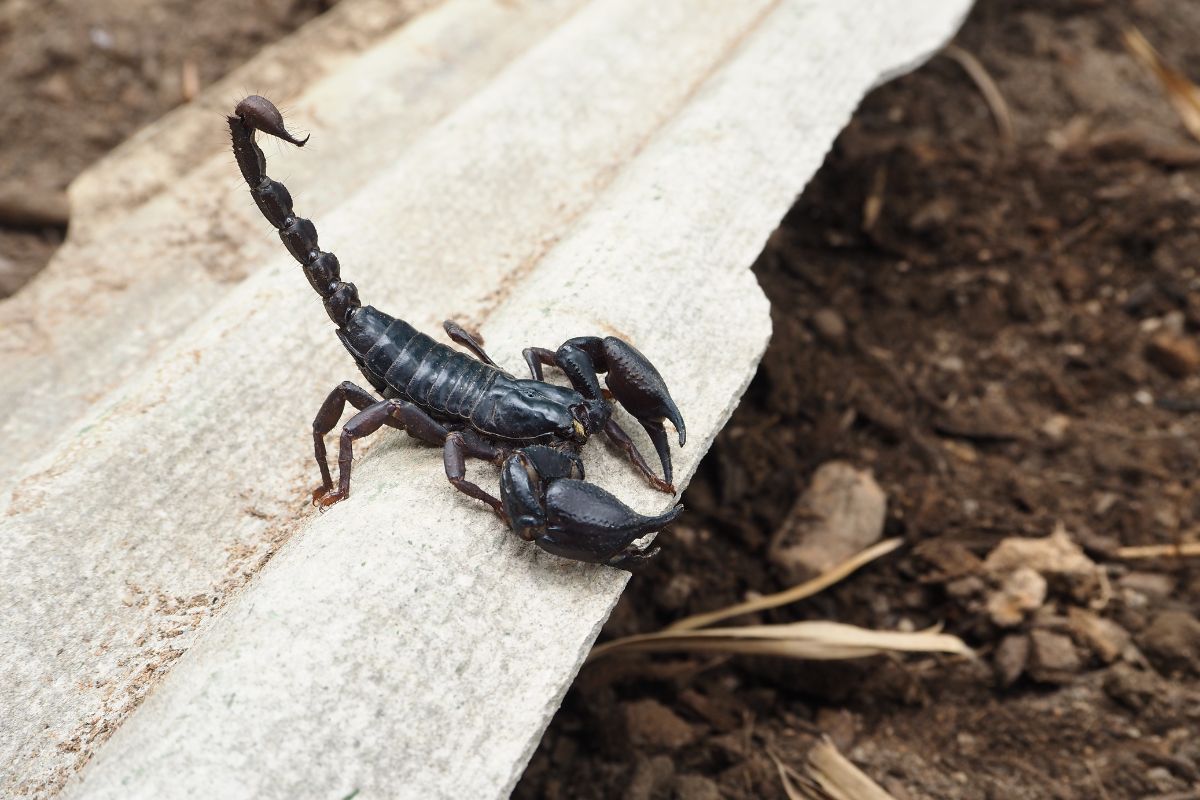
(298, 235)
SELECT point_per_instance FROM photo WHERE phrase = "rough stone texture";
(1172, 642)
(618, 176)
(1011, 658)
(1052, 657)
(1105, 638)
(1023, 590)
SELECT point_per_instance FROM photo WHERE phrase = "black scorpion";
(531, 429)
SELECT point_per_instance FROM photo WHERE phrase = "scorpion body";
(471, 407)
(402, 362)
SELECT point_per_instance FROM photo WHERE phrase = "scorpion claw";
(632, 381)
(636, 385)
(632, 557)
(545, 502)
(586, 523)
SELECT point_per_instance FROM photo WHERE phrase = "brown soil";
(1019, 352)
(76, 79)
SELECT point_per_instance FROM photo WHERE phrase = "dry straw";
(815, 640)
(1183, 94)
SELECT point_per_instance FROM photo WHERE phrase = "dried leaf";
(839, 777)
(794, 784)
(989, 89)
(818, 641)
(1183, 94)
(1159, 550)
(796, 593)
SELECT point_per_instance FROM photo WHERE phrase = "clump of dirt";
(1007, 338)
(76, 79)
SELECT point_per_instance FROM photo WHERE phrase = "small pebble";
(1178, 356)
(1055, 428)
(649, 775)
(100, 38)
(830, 326)
(1153, 585)
(1023, 590)
(696, 787)
(651, 724)
(1052, 657)
(675, 592)
(1103, 637)
(1011, 658)
(1172, 642)
(1130, 687)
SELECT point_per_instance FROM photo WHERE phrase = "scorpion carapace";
(531, 429)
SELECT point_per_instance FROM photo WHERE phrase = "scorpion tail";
(299, 235)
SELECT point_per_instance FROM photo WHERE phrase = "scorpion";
(531, 429)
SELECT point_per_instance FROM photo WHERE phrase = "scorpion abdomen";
(394, 355)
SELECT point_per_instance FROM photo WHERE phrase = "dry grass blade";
(839, 777)
(796, 593)
(1159, 550)
(794, 784)
(873, 205)
(1183, 94)
(990, 91)
(817, 641)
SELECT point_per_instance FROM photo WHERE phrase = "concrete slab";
(619, 176)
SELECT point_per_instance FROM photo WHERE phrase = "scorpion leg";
(394, 413)
(364, 423)
(617, 435)
(327, 418)
(459, 445)
(535, 357)
(462, 336)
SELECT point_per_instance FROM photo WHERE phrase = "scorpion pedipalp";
(633, 382)
(548, 503)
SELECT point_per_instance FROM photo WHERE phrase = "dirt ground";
(1004, 333)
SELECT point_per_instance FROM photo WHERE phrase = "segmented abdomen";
(427, 372)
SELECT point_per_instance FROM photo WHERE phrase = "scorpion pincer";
(531, 429)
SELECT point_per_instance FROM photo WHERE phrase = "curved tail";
(298, 235)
